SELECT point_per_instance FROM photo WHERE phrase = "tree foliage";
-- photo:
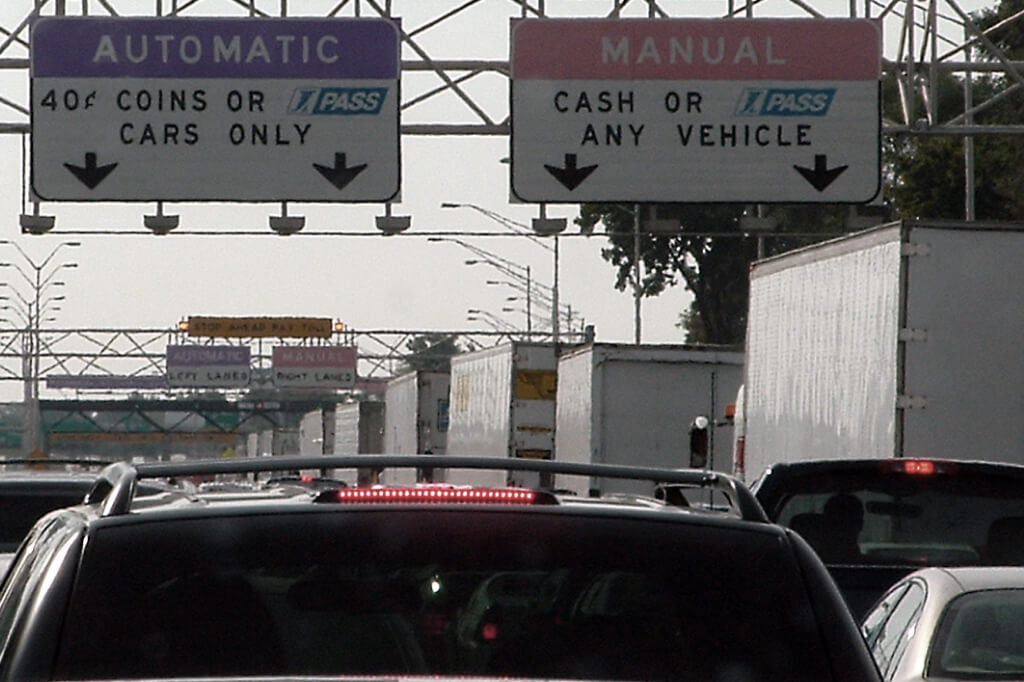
(710, 256)
(927, 173)
(432, 352)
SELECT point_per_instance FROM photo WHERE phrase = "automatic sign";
(145, 109)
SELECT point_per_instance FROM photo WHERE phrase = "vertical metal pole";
(760, 235)
(34, 417)
(909, 28)
(933, 70)
(710, 464)
(26, 371)
(555, 330)
(38, 342)
(969, 206)
(636, 273)
(529, 302)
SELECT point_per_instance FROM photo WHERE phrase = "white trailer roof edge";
(879, 234)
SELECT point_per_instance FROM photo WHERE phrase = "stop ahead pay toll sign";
(702, 110)
(233, 109)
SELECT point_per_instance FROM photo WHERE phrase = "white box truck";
(358, 430)
(316, 432)
(503, 405)
(415, 420)
(635, 405)
(904, 340)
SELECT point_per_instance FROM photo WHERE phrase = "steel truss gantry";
(926, 40)
(137, 353)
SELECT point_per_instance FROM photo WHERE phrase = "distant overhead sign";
(701, 110)
(253, 327)
(327, 367)
(208, 366)
(146, 109)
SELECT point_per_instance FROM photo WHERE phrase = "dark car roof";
(811, 466)
(115, 487)
(815, 471)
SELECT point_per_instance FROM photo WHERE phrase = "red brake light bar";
(435, 494)
(918, 467)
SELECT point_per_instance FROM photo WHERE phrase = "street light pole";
(33, 335)
(522, 273)
(636, 273)
(520, 228)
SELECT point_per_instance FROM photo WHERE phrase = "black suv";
(873, 521)
(431, 580)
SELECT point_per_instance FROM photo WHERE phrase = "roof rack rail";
(114, 487)
(740, 498)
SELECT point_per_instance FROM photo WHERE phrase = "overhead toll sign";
(701, 110)
(208, 366)
(253, 327)
(326, 367)
(176, 109)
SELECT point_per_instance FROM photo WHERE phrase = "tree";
(926, 174)
(714, 268)
(432, 352)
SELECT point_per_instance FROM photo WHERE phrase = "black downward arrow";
(821, 176)
(570, 176)
(90, 174)
(341, 174)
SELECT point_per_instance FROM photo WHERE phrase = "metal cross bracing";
(116, 353)
(455, 54)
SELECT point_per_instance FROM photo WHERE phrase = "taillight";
(432, 494)
(918, 467)
(489, 632)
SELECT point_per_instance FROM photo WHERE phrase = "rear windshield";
(440, 593)
(981, 635)
(964, 517)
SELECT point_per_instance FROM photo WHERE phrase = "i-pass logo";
(336, 101)
(785, 101)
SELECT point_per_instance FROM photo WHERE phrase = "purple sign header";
(195, 356)
(176, 47)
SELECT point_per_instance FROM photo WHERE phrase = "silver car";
(950, 623)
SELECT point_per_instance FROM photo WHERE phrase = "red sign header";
(696, 49)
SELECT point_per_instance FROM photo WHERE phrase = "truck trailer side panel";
(414, 419)
(821, 353)
(578, 386)
(358, 430)
(503, 405)
(634, 405)
(964, 367)
(902, 340)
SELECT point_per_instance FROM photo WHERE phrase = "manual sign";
(701, 110)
